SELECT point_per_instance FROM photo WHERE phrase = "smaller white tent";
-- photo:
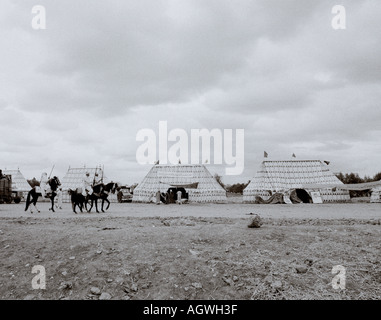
(73, 179)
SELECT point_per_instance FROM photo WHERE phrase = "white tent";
(285, 175)
(200, 185)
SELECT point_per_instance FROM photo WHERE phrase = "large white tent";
(200, 185)
(313, 176)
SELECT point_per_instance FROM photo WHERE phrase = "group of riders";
(88, 185)
(91, 189)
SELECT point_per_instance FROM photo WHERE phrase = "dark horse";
(101, 191)
(77, 199)
(33, 194)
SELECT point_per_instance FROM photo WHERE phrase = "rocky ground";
(137, 251)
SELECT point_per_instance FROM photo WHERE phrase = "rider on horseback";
(44, 185)
(97, 181)
(87, 184)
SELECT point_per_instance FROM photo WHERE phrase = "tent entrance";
(303, 195)
(172, 194)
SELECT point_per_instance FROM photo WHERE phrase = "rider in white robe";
(97, 180)
(87, 184)
(44, 186)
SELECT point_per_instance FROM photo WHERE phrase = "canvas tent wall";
(375, 196)
(286, 175)
(73, 180)
(196, 179)
(373, 186)
(19, 183)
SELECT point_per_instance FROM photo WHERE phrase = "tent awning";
(189, 185)
(352, 186)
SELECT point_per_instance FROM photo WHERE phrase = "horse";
(33, 195)
(77, 199)
(101, 191)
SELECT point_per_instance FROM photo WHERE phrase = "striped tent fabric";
(73, 180)
(284, 175)
(375, 196)
(162, 177)
(19, 183)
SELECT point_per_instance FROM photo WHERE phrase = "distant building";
(19, 183)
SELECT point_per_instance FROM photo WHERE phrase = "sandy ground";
(192, 251)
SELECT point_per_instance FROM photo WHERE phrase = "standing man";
(171, 196)
(59, 198)
(158, 194)
(179, 193)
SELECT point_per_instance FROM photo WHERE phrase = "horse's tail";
(27, 203)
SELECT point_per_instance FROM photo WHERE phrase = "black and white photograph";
(207, 152)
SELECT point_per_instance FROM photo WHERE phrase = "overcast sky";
(78, 92)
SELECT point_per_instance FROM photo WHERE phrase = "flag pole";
(96, 168)
(51, 171)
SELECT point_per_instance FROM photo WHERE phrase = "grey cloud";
(79, 91)
(130, 56)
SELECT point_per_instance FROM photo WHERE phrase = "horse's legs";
(27, 202)
(52, 201)
(79, 203)
(31, 200)
(103, 201)
(35, 206)
(86, 202)
(91, 205)
(30, 206)
(96, 204)
(54, 195)
(108, 203)
(35, 198)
